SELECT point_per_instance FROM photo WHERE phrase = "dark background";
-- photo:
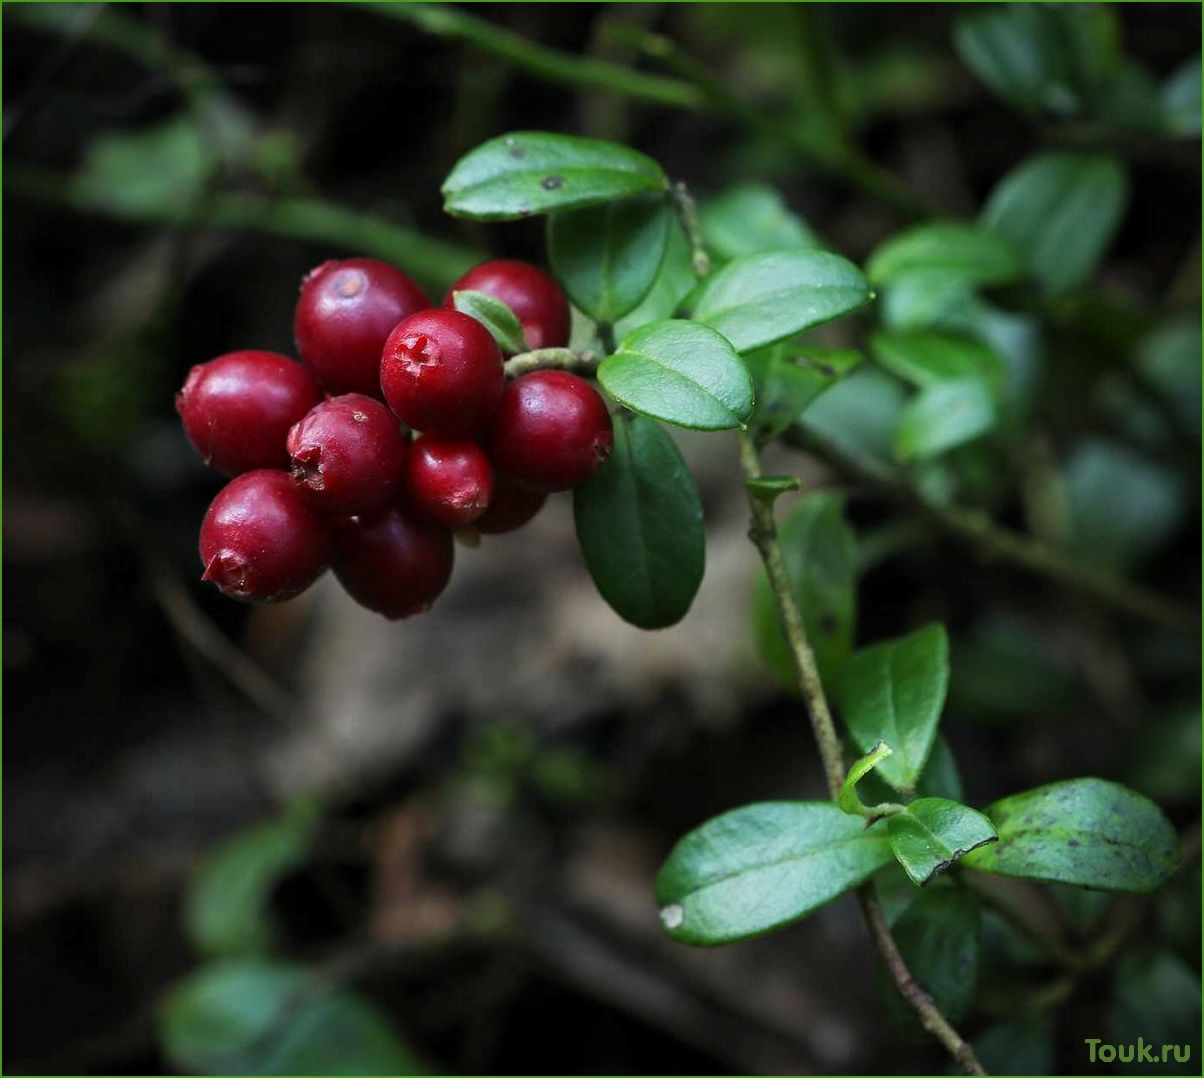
(146, 717)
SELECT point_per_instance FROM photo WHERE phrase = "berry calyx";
(535, 298)
(551, 431)
(348, 454)
(441, 372)
(237, 408)
(449, 481)
(346, 311)
(261, 541)
(393, 561)
(510, 507)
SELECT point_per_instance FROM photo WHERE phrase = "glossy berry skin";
(551, 431)
(393, 561)
(510, 508)
(451, 482)
(237, 409)
(261, 541)
(441, 372)
(348, 455)
(535, 298)
(346, 311)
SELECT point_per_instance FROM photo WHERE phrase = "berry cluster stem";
(763, 532)
(561, 359)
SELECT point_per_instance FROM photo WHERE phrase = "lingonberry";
(449, 481)
(551, 431)
(345, 312)
(348, 454)
(261, 541)
(510, 507)
(393, 561)
(237, 409)
(534, 297)
(441, 371)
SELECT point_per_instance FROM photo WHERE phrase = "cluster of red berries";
(396, 429)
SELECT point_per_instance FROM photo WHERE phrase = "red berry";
(237, 409)
(345, 312)
(534, 297)
(441, 371)
(393, 561)
(261, 541)
(551, 431)
(450, 482)
(510, 508)
(348, 454)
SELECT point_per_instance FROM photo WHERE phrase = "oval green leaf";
(1088, 832)
(495, 316)
(934, 833)
(639, 525)
(531, 172)
(607, 257)
(748, 219)
(682, 373)
(761, 298)
(926, 357)
(786, 380)
(260, 1017)
(969, 252)
(226, 911)
(1061, 211)
(944, 416)
(757, 868)
(894, 692)
(820, 551)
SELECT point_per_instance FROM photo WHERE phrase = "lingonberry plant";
(671, 339)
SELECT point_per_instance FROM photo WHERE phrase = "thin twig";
(687, 214)
(996, 543)
(763, 532)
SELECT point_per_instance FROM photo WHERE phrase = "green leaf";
(608, 256)
(760, 867)
(965, 251)
(1156, 997)
(1023, 1045)
(925, 358)
(786, 380)
(639, 524)
(134, 171)
(682, 373)
(1054, 58)
(495, 316)
(758, 299)
(258, 1017)
(1061, 210)
(672, 284)
(847, 799)
(820, 552)
(938, 935)
(1120, 505)
(893, 692)
(226, 911)
(1087, 832)
(751, 218)
(927, 299)
(529, 172)
(1180, 100)
(940, 777)
(943, 416)
(1168, 358)
(934, 833)
(860, 413)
